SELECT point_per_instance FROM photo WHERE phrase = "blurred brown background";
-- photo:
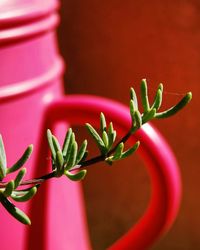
(109, 46)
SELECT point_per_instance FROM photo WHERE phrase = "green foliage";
(69, 160)
(3, 166)
(99, 141)
(24, 195)
(151, 112)
(14, 211)
(130, 151)
(23, 159)
(10, 188)
(63, 161)
(173, 110)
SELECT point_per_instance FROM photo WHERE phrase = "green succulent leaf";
(81, 152)
(22, 196)
(102, 122)
(130, 151)
(149, 116)
(84, 157)
(105, 139)
(73, 154)
(59, 163)
(96, 137)
(137, 121)
(20, 163)
(133, 97)
(160, 87)
(111, 136)
(111, 139)
(76, 177)
(68, 152)
(14, 211)
(172, 111)
(9, 188)
(144, 95)
(158, 100)
(3, 164)
(50, 142)
(67, 141)
(132, 109)
(118, 152)
(110, 128)
(56, 144)
(19, 177)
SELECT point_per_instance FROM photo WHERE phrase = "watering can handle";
(159, 160)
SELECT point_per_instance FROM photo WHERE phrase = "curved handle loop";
(158, 157)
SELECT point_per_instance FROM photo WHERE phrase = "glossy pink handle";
(159, 159)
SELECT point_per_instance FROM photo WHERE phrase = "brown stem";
(33, 181)
(103, 157)
(85, 164)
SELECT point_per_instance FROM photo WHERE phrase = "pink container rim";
(13, 35)
(13, 13)
(24, 88)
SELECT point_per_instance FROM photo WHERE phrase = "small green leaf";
(137, 123)
(67, 141)
(110, 128)
(102, 122)
(50, 142)
(76, 177)
(72, 159)
(19, 177)
(9, 188)
(111, 136)
(134, 97)
(132, 109)
(22, 196)
(81, 152)
(22, 160)
(158, 100)
(84, 157)
(14, 211)
(68, 153)
(118, 152)
(56, 144)
(3, 164)
(105, 139)
(148, 116)
(130, 150)
(160, 86)
(59, 163)
(96, 137)
(144, 95)
(172, 111)
(111, 140)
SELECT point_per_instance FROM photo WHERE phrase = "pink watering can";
(32, 100)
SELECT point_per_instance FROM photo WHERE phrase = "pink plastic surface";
(30, 101)
(15, 12)
(30, 78)
(157, 155)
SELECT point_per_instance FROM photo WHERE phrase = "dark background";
(109, 46)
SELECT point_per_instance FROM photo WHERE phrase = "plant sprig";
(71, 160)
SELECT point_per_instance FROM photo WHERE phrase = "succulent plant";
(71, 160)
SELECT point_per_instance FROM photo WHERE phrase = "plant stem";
(32, 181)
(103, 157)
(84, 164)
